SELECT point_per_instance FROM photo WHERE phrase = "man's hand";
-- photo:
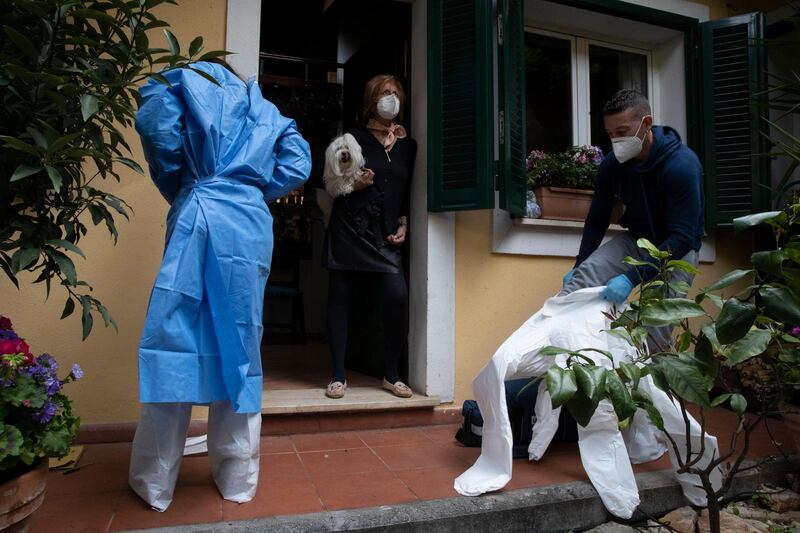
(618, 289)
(567, 277)
(364, 180)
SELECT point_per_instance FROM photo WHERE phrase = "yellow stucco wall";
(122, 276)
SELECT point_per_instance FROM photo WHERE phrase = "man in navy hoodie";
(659, 182)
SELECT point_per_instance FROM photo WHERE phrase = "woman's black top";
(361, 220)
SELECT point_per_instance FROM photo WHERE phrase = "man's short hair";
(625, 99)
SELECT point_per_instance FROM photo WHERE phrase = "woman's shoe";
(336, 389)
(398, 389)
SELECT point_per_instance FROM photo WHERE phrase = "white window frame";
(541, 237)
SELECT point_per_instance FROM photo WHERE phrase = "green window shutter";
(513, 185)
(460, 105)
(734, 75)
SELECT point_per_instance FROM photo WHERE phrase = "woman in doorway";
(367, 229)
(217, 153)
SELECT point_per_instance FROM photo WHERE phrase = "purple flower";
(53, 385)
(47, 413)
(77, 371)
(8, 334)
(796, 331)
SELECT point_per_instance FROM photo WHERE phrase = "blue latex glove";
(618, 289)
(568, 276)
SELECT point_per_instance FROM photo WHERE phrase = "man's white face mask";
(626, 148)
(388, 107)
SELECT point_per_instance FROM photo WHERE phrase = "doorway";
(315, 57)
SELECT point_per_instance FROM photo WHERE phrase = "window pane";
(609, 71)
(548, 99)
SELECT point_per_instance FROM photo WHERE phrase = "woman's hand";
(364, 180)
(400, 235)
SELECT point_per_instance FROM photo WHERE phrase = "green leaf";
(130, 163)
(752, 344)
(69, 307)
(684, 341)
(195, 46)
(213, 54)
(748, 221)
(738, 404)
(620, 397)
(655, 416)
(651, 249)
(27, 257)
(728, 279)
(22, 42)
(683, 265)
(172, 42)
(719, 400)
(591, 380)
(553, 350)
(769, 262)
(66, 266)
(61, 243)
(89, 106)
(20, 146)
(704, 356)
(10, 441)
(632, 372)
(582, 408)
(86, 318)
(561, 385)
(55, 177)
(780, 304)
(205, 75)
(669, 311)
(685, 379)
(636, 262)
(24, 170)
(735, 320)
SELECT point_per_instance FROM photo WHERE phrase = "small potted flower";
(36, 422)
(563, 182)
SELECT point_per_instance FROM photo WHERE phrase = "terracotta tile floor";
(307, 473)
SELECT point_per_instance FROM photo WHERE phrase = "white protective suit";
(576, 321)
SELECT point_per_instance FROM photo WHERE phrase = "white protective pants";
(233, 450)
(571, 321)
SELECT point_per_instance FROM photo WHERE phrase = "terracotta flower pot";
(562, 203)
(791, 418)
(21, 496)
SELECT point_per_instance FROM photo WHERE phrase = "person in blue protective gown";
(218, 154)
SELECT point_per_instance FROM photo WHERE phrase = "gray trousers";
(606, 262)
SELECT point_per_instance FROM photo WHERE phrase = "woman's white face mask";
(388, 106)
(626, 148)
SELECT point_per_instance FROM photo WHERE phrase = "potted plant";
(563, 182)
(36, 422)
(70, 74)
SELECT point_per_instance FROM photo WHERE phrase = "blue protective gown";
(217, 154)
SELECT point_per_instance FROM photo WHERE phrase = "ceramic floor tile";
(366, 489)
(551, 470)
(284, 497)
(276, 444)
(394, 437)
(341, 462)
(280, 466)
(117, 452)
(431, 483)
(444, 433)
(195, 471)
(315, 442)
(413, 456)
(73, 513)
(190, 505)
(91, 478)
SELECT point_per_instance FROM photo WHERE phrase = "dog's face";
(346, 153)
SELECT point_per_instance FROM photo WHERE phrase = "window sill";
(558, 238)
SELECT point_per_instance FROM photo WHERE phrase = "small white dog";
(344, 164)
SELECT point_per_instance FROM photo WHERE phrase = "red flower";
(8, 347)
(23, 347)
(26, 403)
(29, 359)
(5, 323)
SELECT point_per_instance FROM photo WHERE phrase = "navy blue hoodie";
(663, 200)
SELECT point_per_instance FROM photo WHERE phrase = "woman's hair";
(372, 93)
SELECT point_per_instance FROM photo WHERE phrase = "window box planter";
(563, 203)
